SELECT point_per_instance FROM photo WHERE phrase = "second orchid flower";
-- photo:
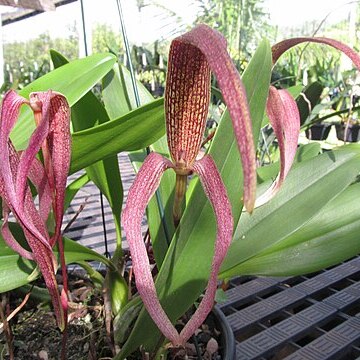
(52, 135)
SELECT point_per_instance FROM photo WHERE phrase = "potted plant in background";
(318, 131)
(188, 241)
(348, 130)
(309, 105)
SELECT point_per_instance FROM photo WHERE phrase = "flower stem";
(180, 189)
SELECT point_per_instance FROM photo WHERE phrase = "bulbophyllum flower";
(52, 136)
(284, 115)
(193, 56)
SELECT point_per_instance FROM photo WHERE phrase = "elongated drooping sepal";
(216, 193)
(140, 193)
(212, 46)
(281, 47)
(284, 117)
(53, 112)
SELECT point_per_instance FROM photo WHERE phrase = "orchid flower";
(284, 115)
(193, 56)
(52, 135)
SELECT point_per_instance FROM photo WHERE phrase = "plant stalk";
(180, 189)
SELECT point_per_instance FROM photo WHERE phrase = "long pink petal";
(9, 162)
(144, 186)
(285, 119)
(9, 238)
(37, 176)
(28, 156)
(213, 46)
(216, 193)
(279, 48)
(36, 236)
(47, 265)
(41, 253)
(25, 210)
(9, 113)
(55, 111)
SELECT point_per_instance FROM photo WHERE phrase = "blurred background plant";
(243, 23)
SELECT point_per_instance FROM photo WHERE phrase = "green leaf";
(330, 237)
(118, 81)
(133, 131)
(295, 90)
(185, 270)
(73, 80)
(21, 269)
(96, 278)
(308, 188)
(105, 174)
(118, 291)
(57, 58)
(304, 152)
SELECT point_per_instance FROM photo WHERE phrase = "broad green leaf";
(185, 270)
(21, 269)
(118, 290)
(105, 174)
(73, 80)
(308, 188)
(118, 81)
(295, 90)
(330, 237)
(304, 152)
(133, 131)
(57, 58)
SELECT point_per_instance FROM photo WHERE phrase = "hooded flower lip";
(53, 135)
(208, 48)
(187, 97)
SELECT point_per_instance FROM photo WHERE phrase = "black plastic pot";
(352, 132)
(318, 131)
(227, 340)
